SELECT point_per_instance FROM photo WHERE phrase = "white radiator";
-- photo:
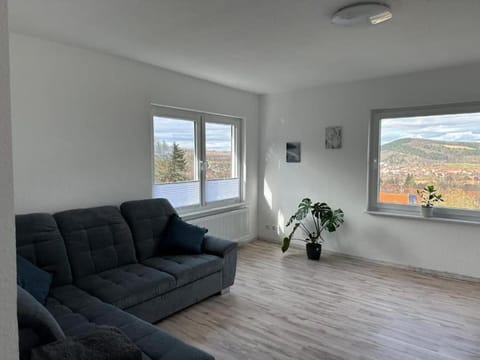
(231, 225)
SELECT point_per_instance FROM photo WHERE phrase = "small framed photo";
(294, 152)
(333, 137)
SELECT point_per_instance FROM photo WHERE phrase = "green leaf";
(287, 240)
(332, 220)
(291, 220)
(430, 195)
(286, 244)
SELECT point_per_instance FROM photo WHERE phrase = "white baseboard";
(436, 273)
(246, 239)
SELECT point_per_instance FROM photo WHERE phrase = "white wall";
(8, 288)
(81, 124)
(339, 176)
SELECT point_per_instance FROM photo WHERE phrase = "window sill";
(192, 215)
(420, 217)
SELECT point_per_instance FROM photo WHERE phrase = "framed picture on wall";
(294, 152)
(333, 137)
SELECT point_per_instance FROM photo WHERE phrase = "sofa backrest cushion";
(97, 239)
(40, 242)
(148, 220)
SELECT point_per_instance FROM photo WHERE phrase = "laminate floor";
(287, 307)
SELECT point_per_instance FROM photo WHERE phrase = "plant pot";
(314, 251)
(427, 211)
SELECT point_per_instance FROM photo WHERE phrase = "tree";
(161, 169)
(409, 180)
(177, 165)
(162, 149)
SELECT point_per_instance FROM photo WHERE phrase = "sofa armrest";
(227, 250)
(218, 247)
(36, 325)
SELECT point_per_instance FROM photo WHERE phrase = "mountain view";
(431, 151)
(409, 164)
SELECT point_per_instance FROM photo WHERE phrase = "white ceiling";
(261, 45)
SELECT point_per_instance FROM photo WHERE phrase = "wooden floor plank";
(287, 307)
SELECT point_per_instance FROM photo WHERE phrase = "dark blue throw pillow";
(182, 237)
(33, 279)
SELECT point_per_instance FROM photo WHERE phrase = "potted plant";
(313, 219)
(430, 196)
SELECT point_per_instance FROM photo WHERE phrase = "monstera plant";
(313, 219)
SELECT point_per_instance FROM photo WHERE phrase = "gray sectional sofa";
(107, 270)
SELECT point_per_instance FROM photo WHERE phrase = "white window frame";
(376, 207)
(200, 118)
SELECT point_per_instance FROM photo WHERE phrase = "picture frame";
(333, 137)
(294, 152)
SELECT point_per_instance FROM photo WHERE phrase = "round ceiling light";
(367, 13)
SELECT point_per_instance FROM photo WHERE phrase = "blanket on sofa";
(105, 343)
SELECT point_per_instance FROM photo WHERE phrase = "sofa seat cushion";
(186, 268)
(79, 313)
(127, 285)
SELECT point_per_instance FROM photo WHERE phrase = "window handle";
(203, 165)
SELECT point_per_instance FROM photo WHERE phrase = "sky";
(218, 136)
(455, 127)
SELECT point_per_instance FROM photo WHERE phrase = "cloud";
(454, 127)
(218, 136)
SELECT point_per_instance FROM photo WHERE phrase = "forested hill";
(430, 151)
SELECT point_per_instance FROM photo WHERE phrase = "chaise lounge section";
(109, 269)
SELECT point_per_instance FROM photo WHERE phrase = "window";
(196, 158)
(412, 148)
